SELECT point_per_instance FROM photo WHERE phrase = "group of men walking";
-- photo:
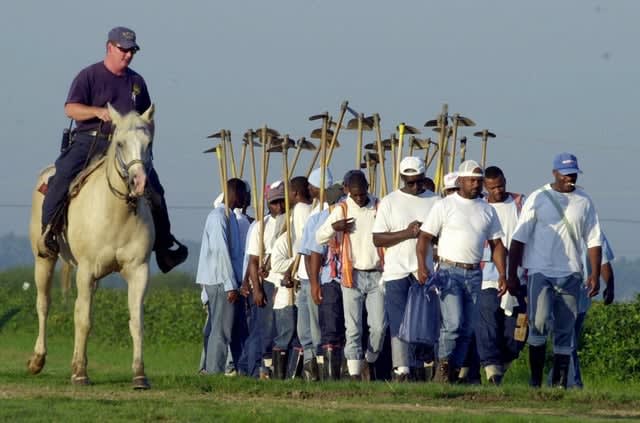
(321, 307)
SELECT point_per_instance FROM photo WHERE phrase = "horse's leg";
(82, 321)
(137, 279)
(43, 273)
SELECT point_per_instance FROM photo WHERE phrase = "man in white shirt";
(308, 326)
(396, 229)
(556, 222)
(350, 224)
(498, 310)
(462, 222)
(285, 311)
(264, 281)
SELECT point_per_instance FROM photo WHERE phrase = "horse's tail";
(65, 279)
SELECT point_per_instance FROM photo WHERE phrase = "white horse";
(109, 229)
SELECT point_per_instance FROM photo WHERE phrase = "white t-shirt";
(549, 248)
(507, 212)
(462, 226)
(299, 217)
(363, 253)
(272, 226)
(395, 212)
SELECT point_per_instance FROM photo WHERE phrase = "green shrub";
(171, 314)
(611, 340)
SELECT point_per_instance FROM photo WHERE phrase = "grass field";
(178, 394)
(173, 323)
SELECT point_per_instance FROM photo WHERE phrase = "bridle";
(122, 168)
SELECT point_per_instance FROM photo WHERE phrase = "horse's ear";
(147, 116)
(113, 113)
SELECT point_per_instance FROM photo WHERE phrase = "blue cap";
(123, 37)
(566, 164)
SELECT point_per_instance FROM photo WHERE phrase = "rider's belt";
(465, 266)
(367, 270)
(93, 133)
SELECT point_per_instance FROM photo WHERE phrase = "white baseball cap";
(412, 165)
(450, 180)
(467, 169)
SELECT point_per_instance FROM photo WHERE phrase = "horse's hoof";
(80, 380)
(141, 383)
(36, 363)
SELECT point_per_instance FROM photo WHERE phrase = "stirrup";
(47, 245)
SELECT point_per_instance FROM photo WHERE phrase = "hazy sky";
(545, 76)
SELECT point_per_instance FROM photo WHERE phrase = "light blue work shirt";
(221, 252)
(309, 245)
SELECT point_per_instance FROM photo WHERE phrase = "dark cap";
(123, 37)
(275, 192)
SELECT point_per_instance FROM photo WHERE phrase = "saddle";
(78, 182)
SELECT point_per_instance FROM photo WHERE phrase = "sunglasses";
(131, 50)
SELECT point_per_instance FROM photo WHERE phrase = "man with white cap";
(556, 222)
(308, 326)
(263, 281)
(396, 229)
(349, 230)
(450, 183)
(462, 222)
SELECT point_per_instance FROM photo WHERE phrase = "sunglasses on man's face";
(131, 50)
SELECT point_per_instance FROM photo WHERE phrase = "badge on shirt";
(135, 90)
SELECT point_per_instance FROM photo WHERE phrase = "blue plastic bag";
(421, 320)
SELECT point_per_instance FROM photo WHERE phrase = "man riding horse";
(110, 81)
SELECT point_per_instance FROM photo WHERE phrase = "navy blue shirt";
(96, 86)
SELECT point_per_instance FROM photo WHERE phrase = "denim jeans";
(366, 291)
(239, 336)
(261, 332)
(495, 330)
(553, 301)
(459, 308)
(575, 375)
(395, 300)
(217, 330)
(284, 320)
(308, 325)
(331, 315)
(576, 380)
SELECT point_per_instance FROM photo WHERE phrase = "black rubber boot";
(332, 362)
(369, 371)
(560, 374)
(296, 364)
(280, 359)
(311, 371)
(418, 374)
(445, 372)
(536, 364)
(442, 371)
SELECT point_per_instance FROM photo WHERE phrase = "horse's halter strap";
(123, 171)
